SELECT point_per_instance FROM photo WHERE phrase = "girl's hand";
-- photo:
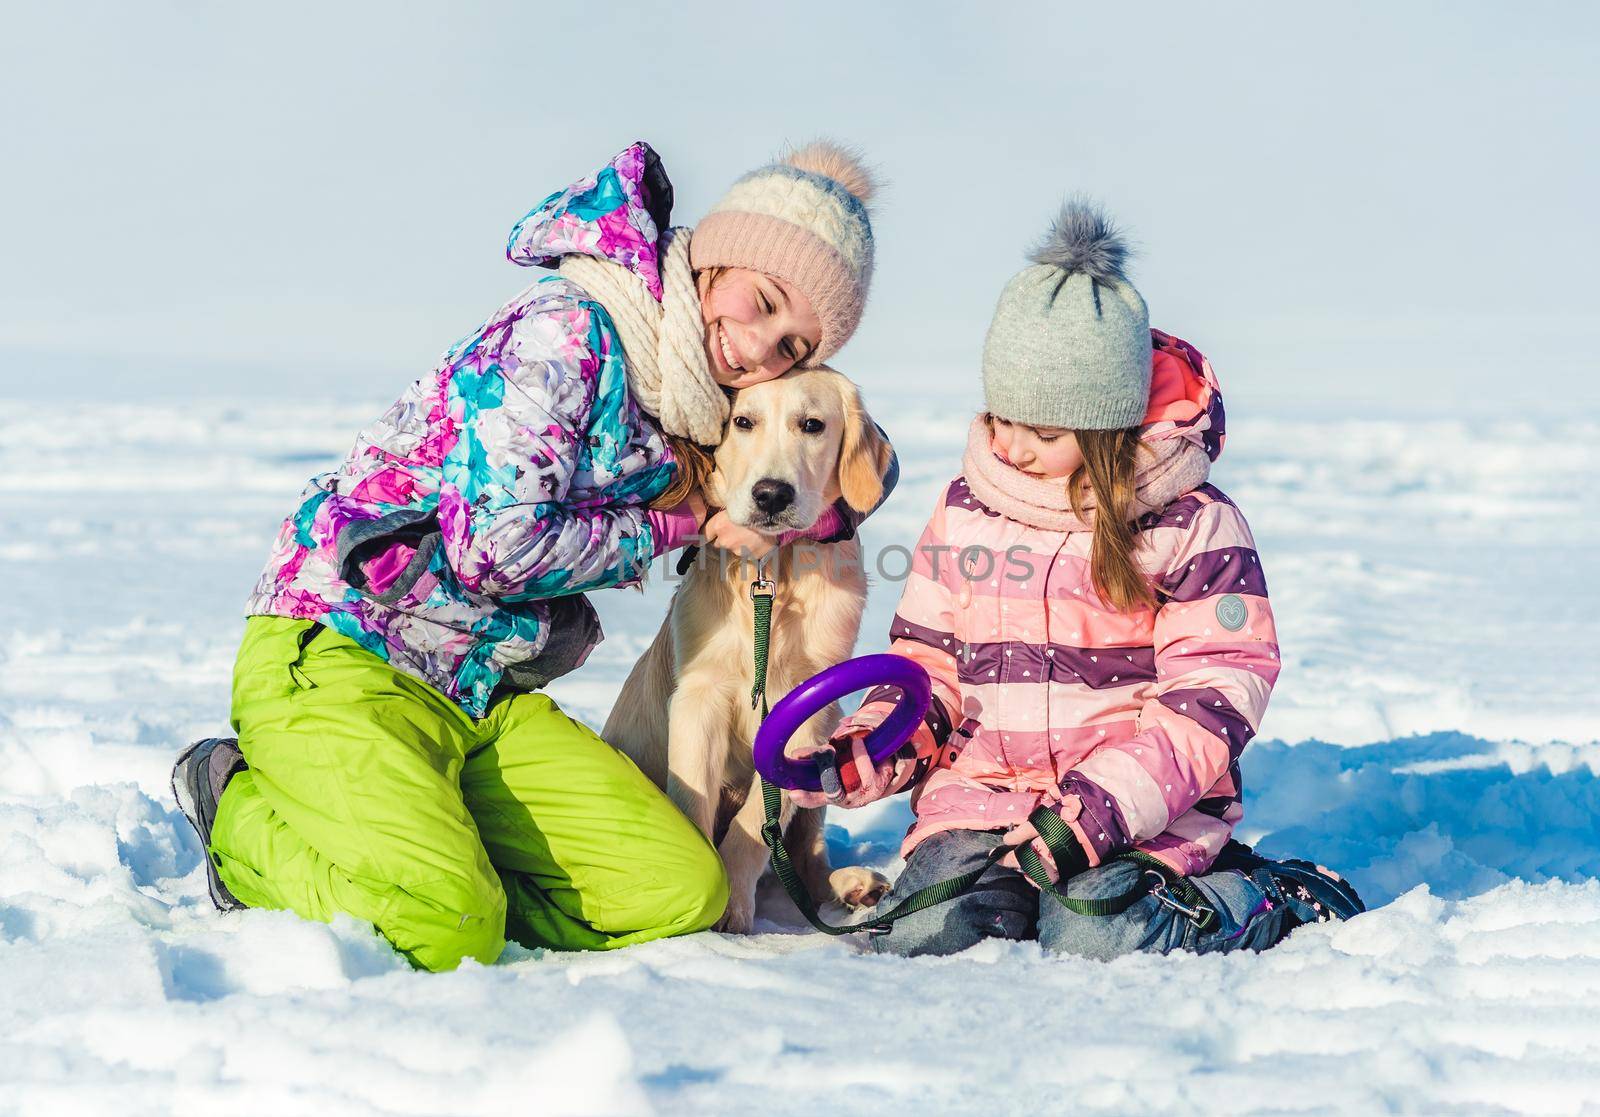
(1027, 834)
(721, 531)
(860, 781)
(1020, 835)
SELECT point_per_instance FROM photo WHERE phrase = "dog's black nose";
(772, 496)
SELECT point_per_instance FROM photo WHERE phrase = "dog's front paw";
(739, 918)
(857, 886)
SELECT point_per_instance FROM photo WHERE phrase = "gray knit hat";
(1070, 342)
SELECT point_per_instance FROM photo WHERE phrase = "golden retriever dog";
(794, 445)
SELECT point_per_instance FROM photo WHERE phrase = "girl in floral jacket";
(1094, 618)
(393, 759)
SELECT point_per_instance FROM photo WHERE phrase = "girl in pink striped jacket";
(1094, 617)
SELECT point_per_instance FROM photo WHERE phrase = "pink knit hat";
(804, 220)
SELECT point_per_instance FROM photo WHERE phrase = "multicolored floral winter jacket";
(1130, 724)
(457, 537)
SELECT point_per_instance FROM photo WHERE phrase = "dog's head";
(795, 445)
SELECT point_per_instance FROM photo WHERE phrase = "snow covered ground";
(1434, 735)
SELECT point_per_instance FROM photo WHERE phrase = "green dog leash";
(1052, 831)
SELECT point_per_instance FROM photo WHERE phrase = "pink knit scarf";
(1173, 466)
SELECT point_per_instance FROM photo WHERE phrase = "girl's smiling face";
(758, 327)
(1046, 453)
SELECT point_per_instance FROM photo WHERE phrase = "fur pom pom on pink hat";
(803, 219)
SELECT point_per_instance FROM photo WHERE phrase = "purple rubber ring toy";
(830, 685)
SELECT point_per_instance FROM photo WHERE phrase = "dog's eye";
(812, 426)
(744, 422)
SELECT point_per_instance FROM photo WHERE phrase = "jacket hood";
(1185, 400)
(617, 213)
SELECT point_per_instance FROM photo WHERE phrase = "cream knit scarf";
(1174, 466)
(663, 342)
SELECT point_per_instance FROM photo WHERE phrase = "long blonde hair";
(694, 469)
(1110, 470)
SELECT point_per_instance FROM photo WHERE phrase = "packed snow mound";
(121, 991)
(1413, 568)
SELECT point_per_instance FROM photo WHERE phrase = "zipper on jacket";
(1049, 660)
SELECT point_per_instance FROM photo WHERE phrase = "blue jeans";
(1005, 905)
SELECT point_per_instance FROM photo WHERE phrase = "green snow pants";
(371, 793)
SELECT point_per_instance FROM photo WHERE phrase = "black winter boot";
(198, 780)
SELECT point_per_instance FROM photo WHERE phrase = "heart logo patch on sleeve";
(1232, 613)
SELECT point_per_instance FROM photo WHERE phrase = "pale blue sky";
(1377, 204)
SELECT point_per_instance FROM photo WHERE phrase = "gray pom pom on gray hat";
(1069, 345)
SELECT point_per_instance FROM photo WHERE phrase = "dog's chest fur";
(816, 614)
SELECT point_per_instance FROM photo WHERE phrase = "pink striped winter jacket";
(1130, 724)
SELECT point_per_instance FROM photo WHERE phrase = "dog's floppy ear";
(864, 455)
